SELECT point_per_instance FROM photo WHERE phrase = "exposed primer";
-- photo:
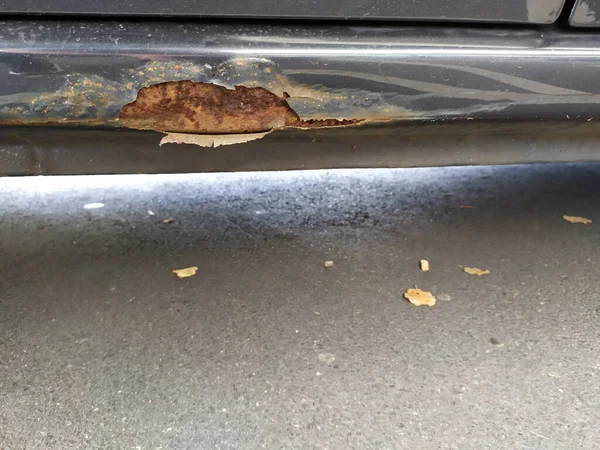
(206, 108)
(208, 140)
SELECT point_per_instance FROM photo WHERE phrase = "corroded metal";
(206, 108)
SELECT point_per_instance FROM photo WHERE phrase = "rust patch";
(206, 108)
(326, 123)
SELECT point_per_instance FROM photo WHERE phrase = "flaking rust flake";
(209, 109)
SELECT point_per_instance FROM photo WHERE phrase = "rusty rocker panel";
(221, 84)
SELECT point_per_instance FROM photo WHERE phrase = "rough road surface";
(103, 347)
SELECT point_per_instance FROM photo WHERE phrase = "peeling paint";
(207, 140)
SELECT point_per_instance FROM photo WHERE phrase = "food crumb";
(168, 220)
(577, 219)
(476, 271)
(424, 265)
(419, 297)
(328, 264)
(187, 272)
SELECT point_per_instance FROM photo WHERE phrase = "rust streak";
(206, 108)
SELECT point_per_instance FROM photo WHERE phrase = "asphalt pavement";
(102, 346)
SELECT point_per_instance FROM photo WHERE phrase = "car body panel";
(84, 73)
(516, 11)
(349, 95)
(585, 13)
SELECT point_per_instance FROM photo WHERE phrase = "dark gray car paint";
(518, 11)
(70, 151)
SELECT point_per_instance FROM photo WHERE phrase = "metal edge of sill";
(72, 151)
